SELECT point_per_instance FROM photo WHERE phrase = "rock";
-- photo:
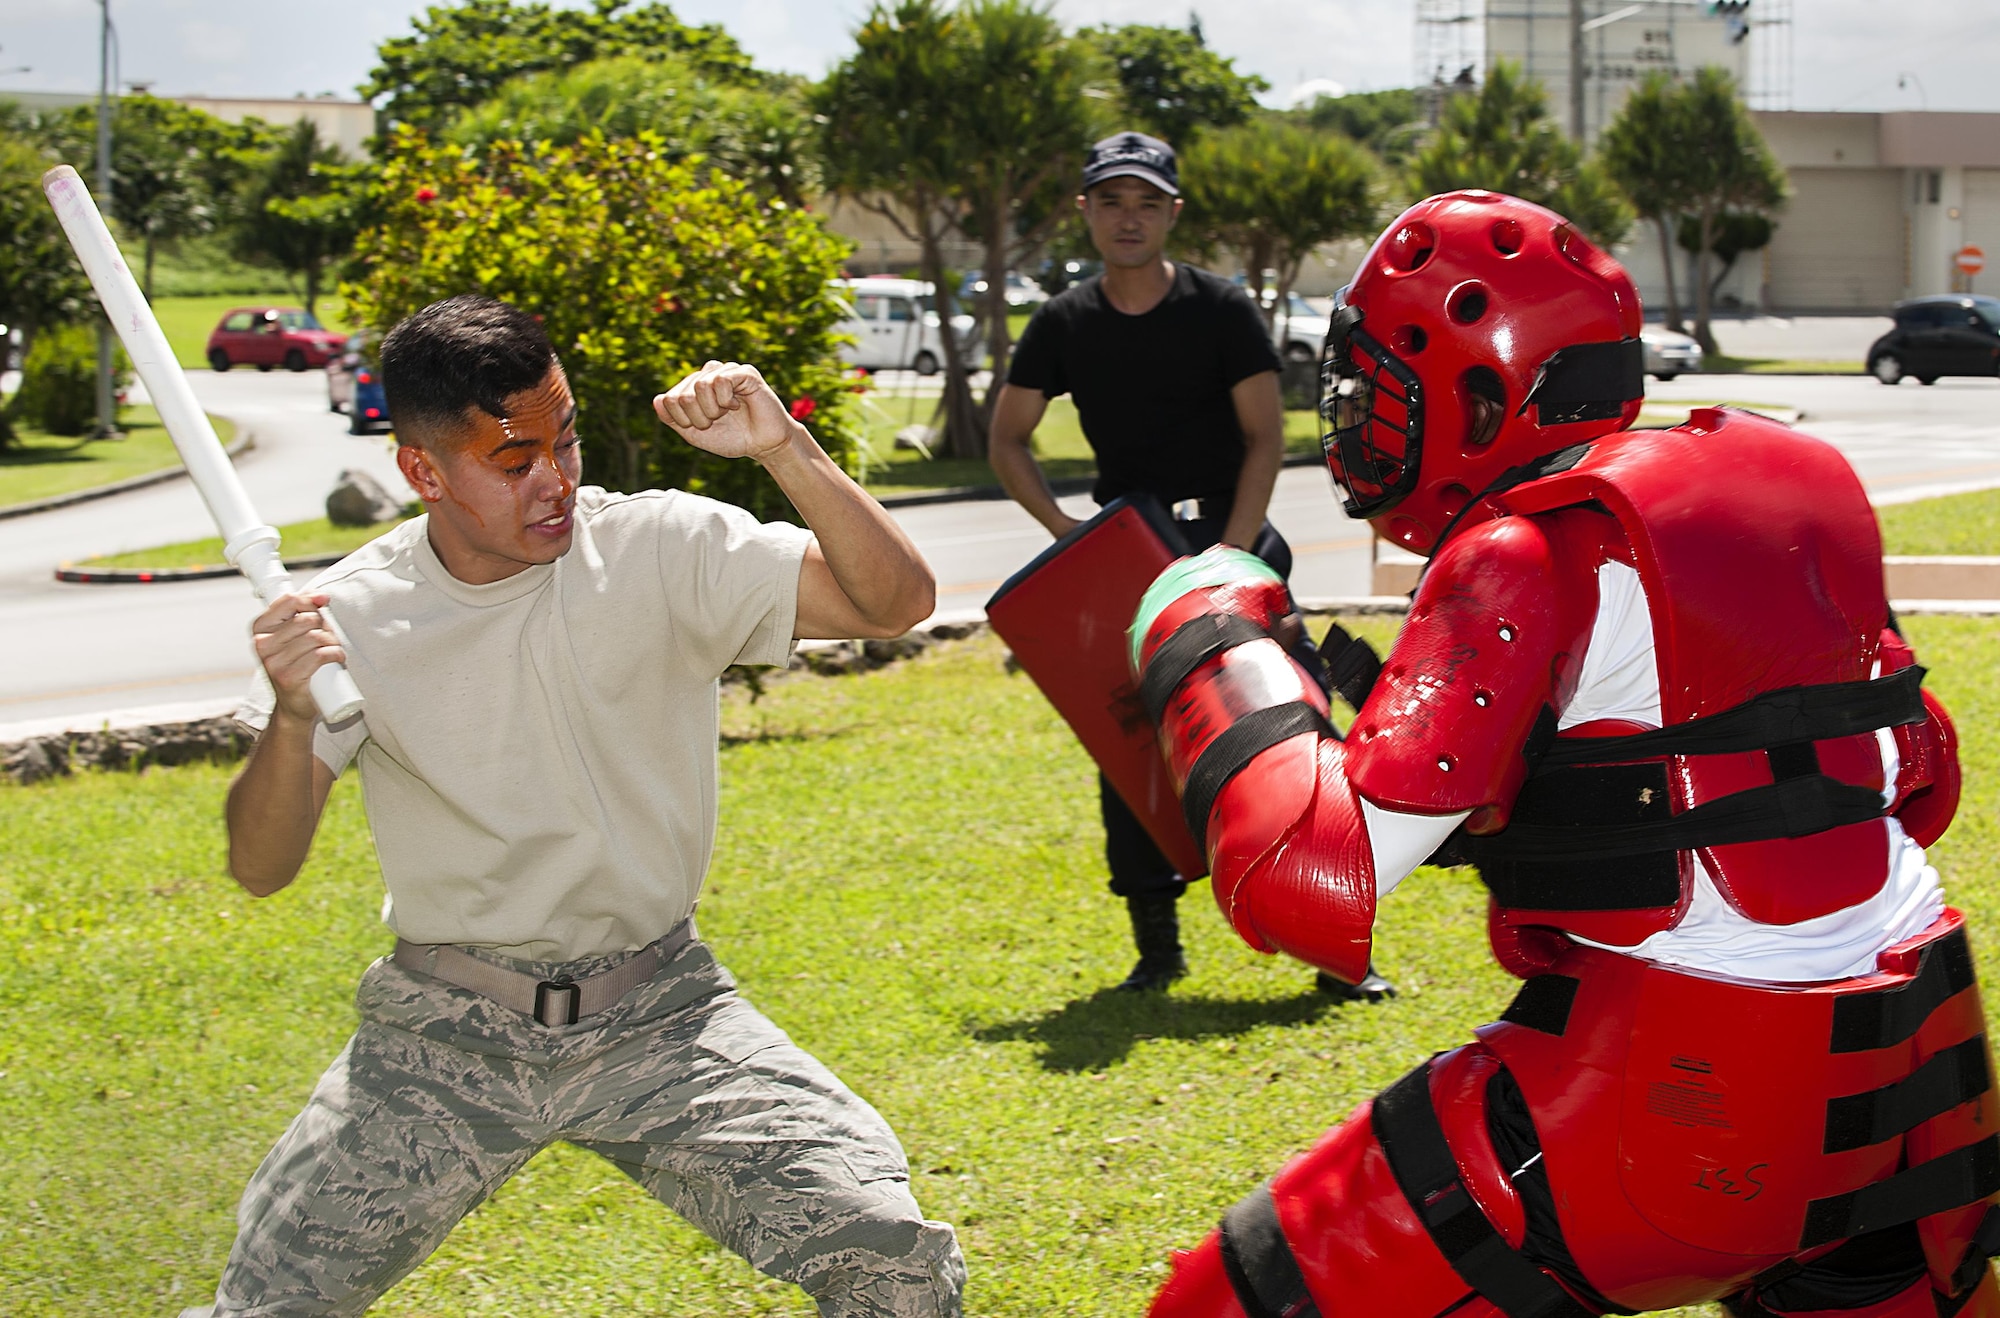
(919, 438)
(956, 631)
(34, 760)
(358, 499)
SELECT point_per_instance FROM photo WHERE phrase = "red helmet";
(1481, 332)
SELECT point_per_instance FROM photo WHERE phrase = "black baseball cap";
(1135, 155)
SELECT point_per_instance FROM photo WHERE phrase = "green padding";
(1220, 566)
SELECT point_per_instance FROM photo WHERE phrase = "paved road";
(94, 650)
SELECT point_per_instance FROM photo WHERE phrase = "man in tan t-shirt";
(538, 757)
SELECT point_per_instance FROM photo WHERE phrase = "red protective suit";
(1644, 1128)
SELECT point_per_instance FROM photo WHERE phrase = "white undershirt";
(1620, 680)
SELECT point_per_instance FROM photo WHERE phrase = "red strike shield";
(1065, 615)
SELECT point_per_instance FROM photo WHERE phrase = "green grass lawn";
(187, 321)
(1716, 363)
(42, 466)
(1059, 445)
(1954, 524)
(298, 540)
(933, 928)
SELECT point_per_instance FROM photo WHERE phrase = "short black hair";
(458, 354)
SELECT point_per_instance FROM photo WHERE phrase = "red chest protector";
(1761, 565)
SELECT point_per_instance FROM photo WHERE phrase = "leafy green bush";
(58, 391)
(641, 268)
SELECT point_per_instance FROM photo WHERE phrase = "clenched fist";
(293, 641)
(727, 409)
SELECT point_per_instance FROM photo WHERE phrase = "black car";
(1952, 334)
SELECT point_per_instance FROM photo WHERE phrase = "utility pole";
(1577, 71)
(107, 407)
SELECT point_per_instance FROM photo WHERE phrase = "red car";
(264, 337)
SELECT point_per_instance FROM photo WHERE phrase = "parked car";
(895, 327)
(1298, 331)
(1669, 353)
(1021, 290)
(354, 384)
(264, 337)
(1947, 334)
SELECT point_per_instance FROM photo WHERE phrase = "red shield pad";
(1065, 616)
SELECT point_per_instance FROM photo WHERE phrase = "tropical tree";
(461, 54)
(956, 122)
(170, 175)
(1731, 169)
(1170, 83)
(1386, 122)
(1646, 153)
(1272, 190)
(41, 283)
(1502, 139)
(1736, 232)
(302, 209)
(761, 132)
(642, 267)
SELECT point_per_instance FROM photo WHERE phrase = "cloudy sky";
(1848, 54)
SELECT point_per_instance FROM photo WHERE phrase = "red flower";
(803, 408)
(427, 194)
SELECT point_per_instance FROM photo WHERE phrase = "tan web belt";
(558, 1001)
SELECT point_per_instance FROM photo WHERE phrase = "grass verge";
(42, 466)
(1717, 363)
(298, 540)
(1953, 524)
(934, 930)
(1059, 445)
(187, 321)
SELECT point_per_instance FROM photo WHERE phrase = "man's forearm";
(872, 561)
(273, 808)
(1021, 476)
(1255, 480)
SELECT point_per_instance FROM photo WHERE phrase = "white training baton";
(249, 544)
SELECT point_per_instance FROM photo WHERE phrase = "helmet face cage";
(1372, 419)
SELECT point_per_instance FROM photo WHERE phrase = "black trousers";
(1137, 867)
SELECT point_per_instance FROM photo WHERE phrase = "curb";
(1061, 488)
(244, 442)
(136, 576)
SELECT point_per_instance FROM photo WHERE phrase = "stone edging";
(128, 576)
(244, 442)
(1073, 485)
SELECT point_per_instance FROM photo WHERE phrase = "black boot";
(1156, 928)
(1372, 988)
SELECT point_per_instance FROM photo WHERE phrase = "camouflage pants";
(441, 1095)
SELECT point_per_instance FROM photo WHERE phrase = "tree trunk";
(312, 286)
(1259, 256)
(999, 337)
(1702, 333)
(146, 285)
(964, 419)
(1664, 222)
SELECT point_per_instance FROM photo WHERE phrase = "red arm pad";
(1927, 781)
(1497, 627)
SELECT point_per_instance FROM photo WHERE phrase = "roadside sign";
(1970, 260)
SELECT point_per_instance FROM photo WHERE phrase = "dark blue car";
(354, 385)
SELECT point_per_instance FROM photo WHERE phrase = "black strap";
(1259, 1262)
(1532, 470)
(1543, 1004)
(1886, 1017)
(1984, 1245)
(1588, 382)
(1406, 1126)
(1193, 644)
(1954, 1076)
(1352, 664)
(1795, 807)
(1240, 743)
(1954, 1180)
(1775, 718)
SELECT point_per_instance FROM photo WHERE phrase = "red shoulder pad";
(1927, 777)
(1498, 624)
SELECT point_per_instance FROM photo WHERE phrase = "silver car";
(1669, 354)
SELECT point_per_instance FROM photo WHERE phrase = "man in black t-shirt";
(1176, 384)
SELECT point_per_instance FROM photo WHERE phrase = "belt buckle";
(1187, 510)
(556, 1002)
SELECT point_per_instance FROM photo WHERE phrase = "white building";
(341, 123)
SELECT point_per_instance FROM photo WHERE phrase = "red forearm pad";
(1308, 891)
(1928, 783)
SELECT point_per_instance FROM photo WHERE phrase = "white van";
(894, 327)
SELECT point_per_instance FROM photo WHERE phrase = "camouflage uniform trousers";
(441, 1095)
